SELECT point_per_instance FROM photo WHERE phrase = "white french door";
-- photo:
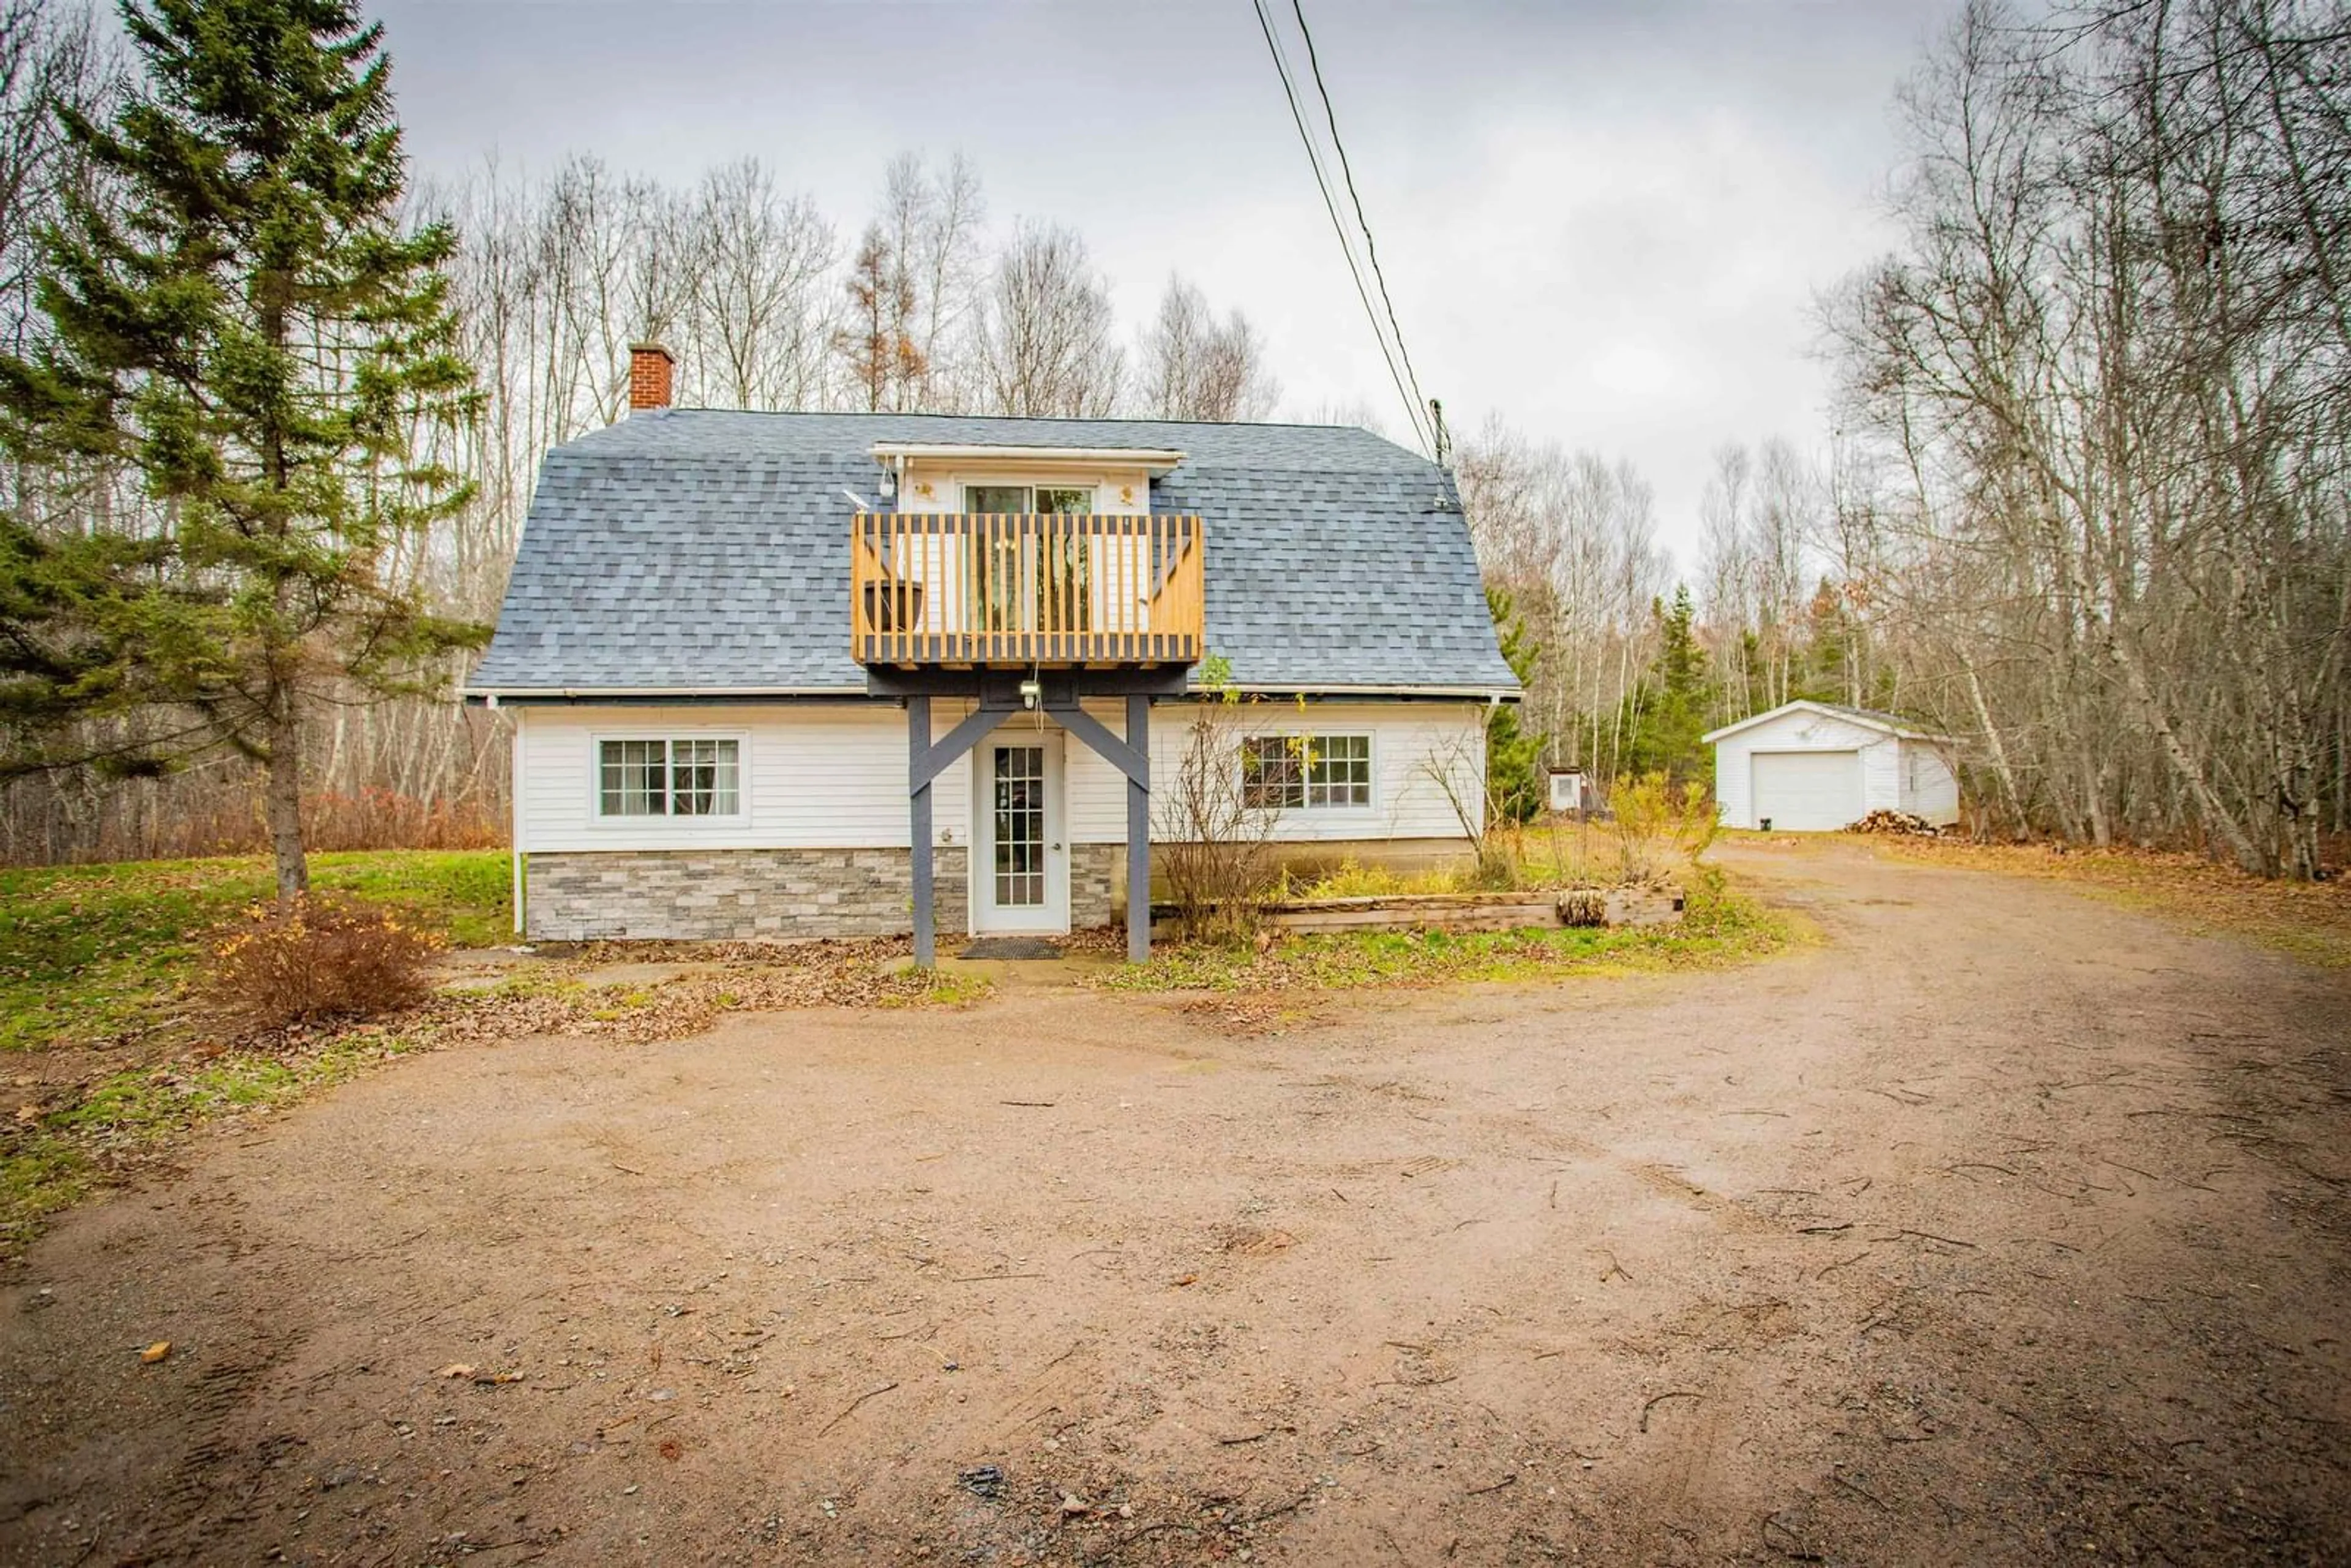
(1020, 861)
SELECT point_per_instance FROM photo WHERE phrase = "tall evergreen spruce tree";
(1514, 781)
(240, 319)
(1665, 713)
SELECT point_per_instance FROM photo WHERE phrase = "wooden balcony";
(980, 590)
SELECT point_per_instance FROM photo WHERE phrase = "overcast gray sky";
(1606, 223)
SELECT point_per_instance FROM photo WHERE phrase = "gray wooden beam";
(1164, 680)
(1138, 832)
(918, 745)
(928, 761)
(1136, 764)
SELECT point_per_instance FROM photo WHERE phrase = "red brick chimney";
(650, 365)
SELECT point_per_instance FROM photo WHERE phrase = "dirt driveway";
(2003, 1226)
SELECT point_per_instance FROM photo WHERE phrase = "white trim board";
(1828, 710)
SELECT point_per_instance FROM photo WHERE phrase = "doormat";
(1012, 947)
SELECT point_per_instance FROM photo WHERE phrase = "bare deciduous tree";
(759, 322)
(1191, 366)
(50, 54)
(1572, 539)
(931, 226)
(1051, 345)
(2103, 380)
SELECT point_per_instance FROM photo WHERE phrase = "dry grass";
(1721, 925)
(2310, 921)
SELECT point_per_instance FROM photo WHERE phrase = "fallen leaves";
(732, 977)
(2311, 921)
(1251, 1015)
(1251, 1242)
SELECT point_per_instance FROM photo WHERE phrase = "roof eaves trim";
(590, 694)
(1847, 716)
(1158, 459)
(1310, 689)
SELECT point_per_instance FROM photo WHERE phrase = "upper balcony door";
(1027, 581)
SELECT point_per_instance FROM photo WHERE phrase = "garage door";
(1808, 791)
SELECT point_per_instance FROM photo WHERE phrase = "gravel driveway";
(2001, 1225)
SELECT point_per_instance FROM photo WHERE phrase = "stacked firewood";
(1884, 821)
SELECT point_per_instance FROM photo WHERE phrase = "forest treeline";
(921, 304)
(2087, 507)
(2084, 508)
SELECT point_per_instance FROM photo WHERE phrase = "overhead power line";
(1347, 171)
(1339, 228)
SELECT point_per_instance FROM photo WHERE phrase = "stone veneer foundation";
(722, 895)
(728, 895)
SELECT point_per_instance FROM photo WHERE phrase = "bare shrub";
(1660, 827)
(315, 958)
(1212, 844)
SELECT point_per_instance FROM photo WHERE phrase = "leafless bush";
(1455, 766)
(319, 956)
(1660, 828)
(1211, 843)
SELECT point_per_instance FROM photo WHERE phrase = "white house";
(1811, 767)
(831, 675)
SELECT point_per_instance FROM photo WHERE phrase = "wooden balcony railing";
(975, 590)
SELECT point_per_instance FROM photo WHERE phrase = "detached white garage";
(1814, 768)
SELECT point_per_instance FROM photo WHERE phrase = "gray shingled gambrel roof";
(706, 552)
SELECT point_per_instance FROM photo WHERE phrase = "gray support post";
(1138, 836)
(918, 744)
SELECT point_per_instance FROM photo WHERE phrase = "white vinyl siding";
(1414, 746)
(1929, 789)
(813, 776)
(833, 776)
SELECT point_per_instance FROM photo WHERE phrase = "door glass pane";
(1019, 814)
(1064, 596)
(996, 497)
(997, 566)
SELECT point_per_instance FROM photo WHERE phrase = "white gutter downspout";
(515, 784)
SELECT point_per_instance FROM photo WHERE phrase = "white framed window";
(1306, 772)
(685, 776)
